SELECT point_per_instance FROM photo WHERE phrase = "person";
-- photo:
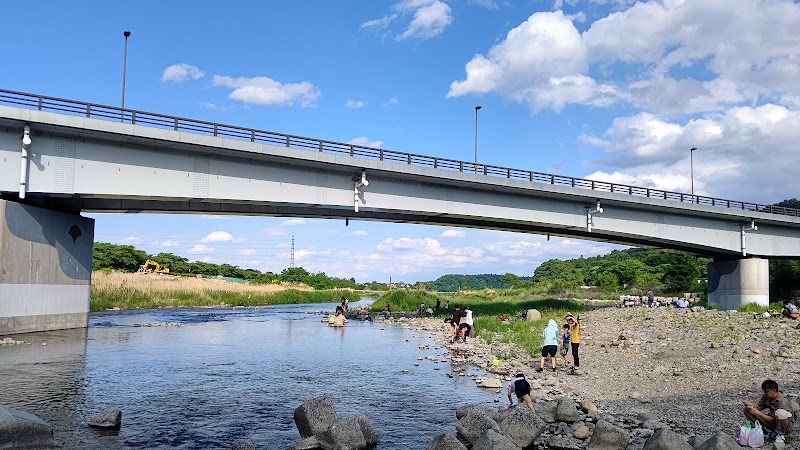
(342, 303)
(779, 417)
(549, 345)
(682, 303)
(421, 310)
(346, 304)
(438, 304)
(650, 298)
(519, 386)
(455, 320)
(447, 305)
(574, 340)
(387, 311)
(790, 310)
(465, 328)
(565, 338)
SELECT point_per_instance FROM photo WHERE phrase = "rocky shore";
(688, 370)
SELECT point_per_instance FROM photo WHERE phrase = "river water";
(228, 375)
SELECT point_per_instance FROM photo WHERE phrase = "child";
(574, 341)
(565, 344)
(550, 335)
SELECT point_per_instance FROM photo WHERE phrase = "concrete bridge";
(60, 157)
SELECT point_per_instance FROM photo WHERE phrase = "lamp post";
(124, 70)
(476, 139)
(691, 167)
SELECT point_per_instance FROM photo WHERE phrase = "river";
(228, 375)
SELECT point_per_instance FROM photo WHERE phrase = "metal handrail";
(131, 116)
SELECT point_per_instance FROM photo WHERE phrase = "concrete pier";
(45, 269)
(737, 282)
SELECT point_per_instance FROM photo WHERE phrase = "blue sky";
(605, 89)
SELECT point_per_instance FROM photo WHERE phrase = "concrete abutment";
(737, 282)
(45, 269)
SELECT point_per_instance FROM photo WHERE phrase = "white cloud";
(181, 72)
(248, 252)
(431, 17)
(217, 236)
(239, 240)
(365, 142)
(488, 4)
(293, 222)
(266, 91)
(200, 249)
(168, 243)
(380, 23)
(359, 233)
(130, 240)
(214, 217)
(392, 101)
(453, 233)
(355, 104)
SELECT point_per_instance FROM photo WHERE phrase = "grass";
(145, 291)
(755, 308)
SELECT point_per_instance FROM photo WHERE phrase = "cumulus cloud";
(453, 233)
(217, 236)
(168, 243)
(130, 240)
(266, 91)
(293, 222)
(355, 104)
(359, 233)
(428, 18)
(248, 252)
(392, 101)
(200, 249)
(365, 142)
(179, 73)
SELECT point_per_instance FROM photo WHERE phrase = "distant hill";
(453, 283)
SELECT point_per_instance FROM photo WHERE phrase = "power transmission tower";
(291, 262)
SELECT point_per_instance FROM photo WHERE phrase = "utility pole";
(291, 261)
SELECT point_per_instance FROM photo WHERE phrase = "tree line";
(127, 258)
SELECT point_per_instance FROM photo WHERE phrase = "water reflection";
(226, 375)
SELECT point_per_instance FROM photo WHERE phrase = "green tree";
(175, 263)
(294, 275)
(119, 257)
(607, 282)
(510, 279)
(682, 274)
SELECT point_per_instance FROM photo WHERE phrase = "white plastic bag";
(755, 438)
(741, 436)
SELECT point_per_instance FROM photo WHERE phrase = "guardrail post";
(175, 126)
(287, 141)
(320, 146)
(409, 158)
(648, 193)
(89, 110)
(460, 166)
(252, 135)
(133, 117)
(573, 182)
(508, 173)
(381, 155)
(215, 129)
(435, 163)
(39, 106)
(351, 149)
(592, 184)
(630, 190)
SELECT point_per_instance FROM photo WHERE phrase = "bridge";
(60, 157)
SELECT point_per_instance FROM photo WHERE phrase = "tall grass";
(144, 291)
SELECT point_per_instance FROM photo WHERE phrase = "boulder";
(561, 442)
(314, 416)
(343, 435)
(492, 440)
(465, 409)
(546, 411)
(608, 437)
(566, 410)
(21, 430)
(719, 441)
(652, 424)
(522, 427)
(588, 407)
(309, 443)
(109, 418)
(666, 439)
(475, 424)
(489, 382)
(366, 429)
(582, 432)
(533, 314)
(446, 442)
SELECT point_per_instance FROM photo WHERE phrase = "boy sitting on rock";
(779, 417)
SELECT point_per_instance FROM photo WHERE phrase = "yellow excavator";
(151, 266)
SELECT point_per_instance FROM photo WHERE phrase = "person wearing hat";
(519, 386)
(574, 339)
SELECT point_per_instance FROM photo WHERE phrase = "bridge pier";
(45, 269)
(737, 282)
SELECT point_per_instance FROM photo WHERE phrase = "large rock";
(666, 439)
(21, 430)
(446, 442)
(475, 424)
(533, 314)
(309, 443)
(522, 426)
(314, 416)
(492, 440)
(547, 411)
(343, 435)
(109, 418)
(719, 441)
(465, 409)
(566, 410)
(366, 429)
(608, 437)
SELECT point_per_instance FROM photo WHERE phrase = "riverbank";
(692, 370)
(150, 290)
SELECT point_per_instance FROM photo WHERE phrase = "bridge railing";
(97, 111)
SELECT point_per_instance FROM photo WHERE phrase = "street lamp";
(124, 70)
(476, 138)
(691, 167)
